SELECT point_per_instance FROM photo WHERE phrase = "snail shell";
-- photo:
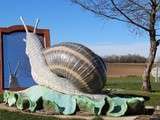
(85, 70)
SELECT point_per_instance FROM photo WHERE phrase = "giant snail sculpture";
(66, 67)
(69, 76)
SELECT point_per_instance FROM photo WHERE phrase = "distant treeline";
(125, 59)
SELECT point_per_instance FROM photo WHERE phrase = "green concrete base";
(40, 97)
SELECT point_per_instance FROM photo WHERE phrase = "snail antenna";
(25, 27)
(35, 26)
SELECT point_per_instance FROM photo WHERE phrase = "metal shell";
(85, 70)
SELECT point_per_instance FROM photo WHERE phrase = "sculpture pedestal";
(39, 97)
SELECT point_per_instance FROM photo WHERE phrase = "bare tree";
(142, 14)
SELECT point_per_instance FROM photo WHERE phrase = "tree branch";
(142, 7)
(98, 12)
(129, 19)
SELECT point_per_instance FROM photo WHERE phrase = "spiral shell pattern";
(85, 70)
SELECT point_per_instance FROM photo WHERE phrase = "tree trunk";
(153, 48)
(146, 86)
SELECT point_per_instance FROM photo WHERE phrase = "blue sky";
(68, 22)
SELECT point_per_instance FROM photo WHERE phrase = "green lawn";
(130, 83)
(122, 85)
(133, 85)
(6, 115)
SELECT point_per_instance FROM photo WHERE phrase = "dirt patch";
(125, 69)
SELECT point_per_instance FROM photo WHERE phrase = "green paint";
(117, 106)
(51, 106)
(90, 105)
(38, 97)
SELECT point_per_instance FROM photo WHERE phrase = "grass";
(125, 85)
(133, 85)
(6, 115)
(130, 83)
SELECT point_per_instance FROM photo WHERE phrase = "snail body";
(40, 71)
(67, 67)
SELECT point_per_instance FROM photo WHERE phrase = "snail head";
(30, 36)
